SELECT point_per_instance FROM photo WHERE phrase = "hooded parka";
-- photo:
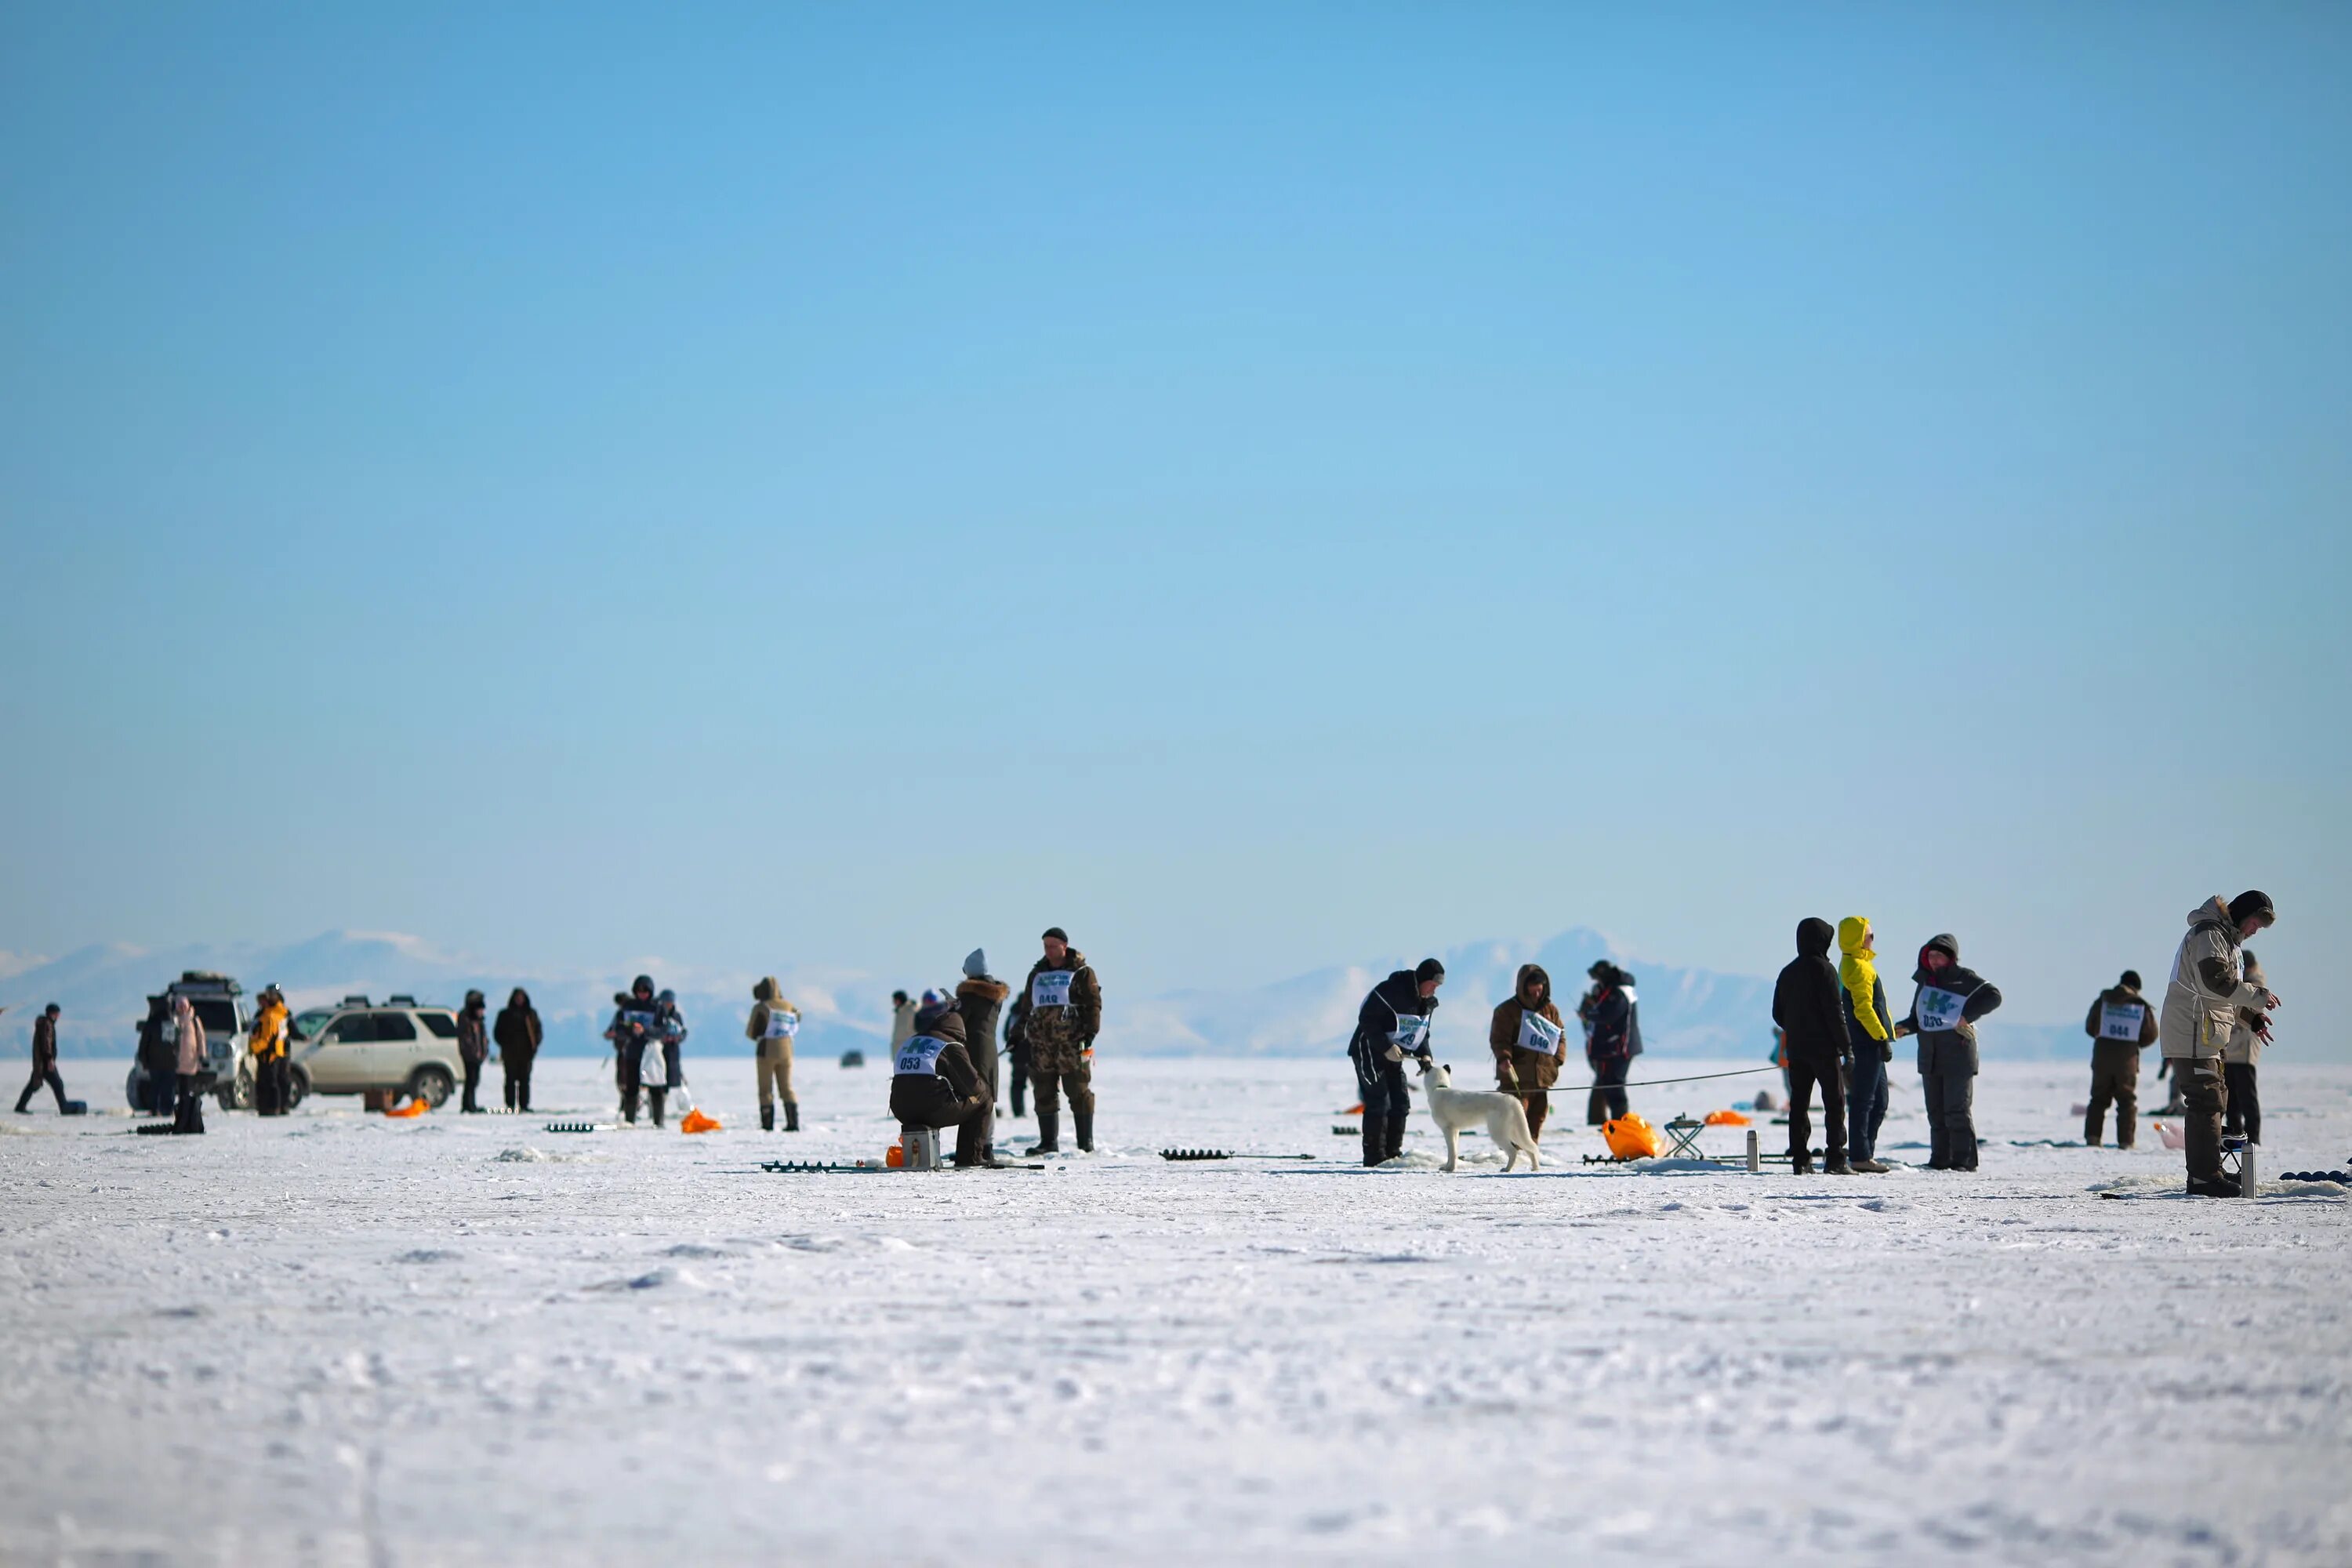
(932, 1083)
(2119, 1023)
(1530, 1043)
(1943, 1010)
(773, 1025)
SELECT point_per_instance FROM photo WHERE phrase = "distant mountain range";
(1684, 1012)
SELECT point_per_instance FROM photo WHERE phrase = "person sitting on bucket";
(932, 1081)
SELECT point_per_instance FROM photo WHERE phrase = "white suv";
(397, 1045)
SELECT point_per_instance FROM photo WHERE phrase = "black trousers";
(271, 1076)
(518, 1084)
(2243, 1113)
(473, 1082)
(1607, 1101)
(1951, 1119)
(32, 1085)
(191, 1114)
(1020, 1080)
(1802, 1076)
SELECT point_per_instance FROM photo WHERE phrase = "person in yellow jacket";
(271, 1073)
(1870, 1041)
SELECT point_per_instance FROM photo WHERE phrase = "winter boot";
(1837, 1167)
(657, 1096)
(1082, 1117)
(792, 1116)
(767, 1119)
(1393, 1139)
(1375, 1138)
(1049, 1129)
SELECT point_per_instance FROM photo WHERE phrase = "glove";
(1886, 1050)
(1425, 1060)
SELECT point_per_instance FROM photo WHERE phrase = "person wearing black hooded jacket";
(1944, 1013)
(1808, 1006)
(1393, 1024)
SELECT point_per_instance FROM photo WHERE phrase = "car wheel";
(431, 1085)
(297, 1086)
(134, 1087)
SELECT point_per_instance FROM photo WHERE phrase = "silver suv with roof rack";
(399, 1045)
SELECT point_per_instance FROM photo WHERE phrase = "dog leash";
(1655, 1082)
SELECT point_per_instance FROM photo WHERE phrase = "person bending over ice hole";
(980, 997)
(1813, 1040)
(1869, 1043)
(2208, 999)
(1530, 1045)
(1613, 1039)
(1061, 1011)
(1944, 1013)
(774, 1023)
(2119, 1023)
(1392, 1025)
(635, 1034)
(932, 1081)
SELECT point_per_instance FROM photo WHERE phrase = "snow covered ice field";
(341, 1338)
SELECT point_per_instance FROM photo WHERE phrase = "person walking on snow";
(1061, 1012)
(2119, 1023)
(773, 1025)
(1530, 1045)
(517, 1034)
(1615, 1039)
(2243, 1109)
(473, 1047)
(1870, 1042)
(1392, 1025)
(980, 997)
(45, 1061)
(1944, 1013)
(188, 1066)
(1811, 1018)
(2205, 1002)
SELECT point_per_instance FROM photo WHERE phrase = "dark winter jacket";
(636, 1020)
(517, 1031)
(44, 1044)
(1058, 1037)
(1528, 1056)
(932, 1081)
(1382, 1019)
(1808, 1002)
(2120, 1054)
(980, 1002)
(157, 1051)
(1616, 1019)
(1953, 1051)
(473, 1036)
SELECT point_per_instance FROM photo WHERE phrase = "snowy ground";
(337, 1338)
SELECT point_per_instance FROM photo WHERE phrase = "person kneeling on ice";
(2208, 998)
(932, 1081)
(1530, 1045)
(2119, 1023)
(774, 1022)
(1944, 1013)
(1392, 1025)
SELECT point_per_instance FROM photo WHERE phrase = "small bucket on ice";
(919, 1148)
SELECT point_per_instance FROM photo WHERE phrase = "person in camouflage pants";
(1057, 1015)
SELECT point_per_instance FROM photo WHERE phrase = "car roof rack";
(355, 1001)
(211, 977)
(400, 999)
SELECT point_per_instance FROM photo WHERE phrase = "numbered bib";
(2122, 1020)
(1939, 1010)
(1411, 1029)
(782, 1025)
(649, 1022)
(1537, 1032)
(920, 1058)
(1051, 988)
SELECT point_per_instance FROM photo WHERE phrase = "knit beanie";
(975, 963)
(1055, 933)
(1428, 969)
(2249, 903)
(2130, 981)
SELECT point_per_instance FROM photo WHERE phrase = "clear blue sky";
(1259, 486)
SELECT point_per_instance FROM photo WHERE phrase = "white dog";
(1454, 1109)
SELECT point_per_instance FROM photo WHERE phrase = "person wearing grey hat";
(980, 997)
